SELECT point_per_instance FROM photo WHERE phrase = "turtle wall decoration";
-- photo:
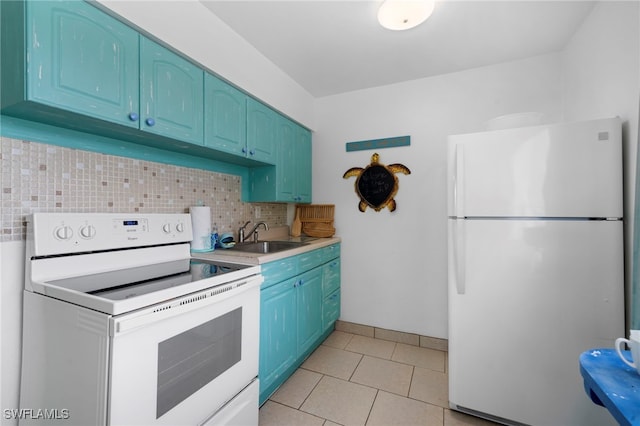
(376, 184)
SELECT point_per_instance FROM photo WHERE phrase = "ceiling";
(335, 46)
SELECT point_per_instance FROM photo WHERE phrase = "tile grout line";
(372, 404)
(308, 395)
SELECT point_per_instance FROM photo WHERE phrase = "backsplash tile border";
(37, 177)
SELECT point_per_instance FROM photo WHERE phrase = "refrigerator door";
(563, 170)
(536, 294)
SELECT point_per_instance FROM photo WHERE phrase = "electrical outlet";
(258, 213)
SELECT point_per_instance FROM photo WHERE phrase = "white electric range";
(123, 326)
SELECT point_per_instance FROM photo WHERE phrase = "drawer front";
(331, 277)
(310, 260)
(279, 270)
(331, 309)
(330, 252)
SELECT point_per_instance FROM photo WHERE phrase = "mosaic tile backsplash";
(37, 177)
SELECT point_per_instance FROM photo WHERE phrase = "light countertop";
(248, 258)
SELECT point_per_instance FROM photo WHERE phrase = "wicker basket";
(317, 219)
(316, 212)
(318, 229)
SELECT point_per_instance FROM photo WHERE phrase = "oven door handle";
(191, 302)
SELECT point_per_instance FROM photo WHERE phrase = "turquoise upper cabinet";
(171, 94)
(69, 64)
(72, 56)
(225, 112)
(302, 163)
(238, 124)
(293, 174)
(69, 57)
(261, 132)
(290, 180)
(285, 174)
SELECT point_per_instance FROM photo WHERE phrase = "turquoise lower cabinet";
(309, 305)
(330, 309)
(277, 337)
(296, 313)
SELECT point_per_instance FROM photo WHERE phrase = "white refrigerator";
(535, 253)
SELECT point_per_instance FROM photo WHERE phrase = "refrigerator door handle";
(459, 255)
(458, 182)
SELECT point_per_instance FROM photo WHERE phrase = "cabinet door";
(171, 94)
(286, 160)
(261, 132)
(309, 288)
(302, 164)
(82, 60)
(278, 348)
(225, 115)
(294, 162)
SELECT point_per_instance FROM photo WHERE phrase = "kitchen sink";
(267, 246)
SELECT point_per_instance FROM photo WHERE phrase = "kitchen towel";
(201, 224)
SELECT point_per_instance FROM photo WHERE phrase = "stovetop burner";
(118, 263)
(192, 271)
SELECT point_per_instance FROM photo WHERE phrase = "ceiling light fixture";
(404, 14)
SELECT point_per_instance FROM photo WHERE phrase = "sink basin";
(267, 246)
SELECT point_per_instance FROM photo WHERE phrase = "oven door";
(178, 362)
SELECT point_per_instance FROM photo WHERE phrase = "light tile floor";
(357, 380)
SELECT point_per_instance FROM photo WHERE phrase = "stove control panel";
(62, 233)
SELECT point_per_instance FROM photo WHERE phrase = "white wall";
(394, 264)
(394, 268)
(192, 29)
(601, 77)
(11, 285)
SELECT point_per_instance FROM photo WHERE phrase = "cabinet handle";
(301, 283)
(133, 116)
(252, 152)
(150, 122)
(244, 150)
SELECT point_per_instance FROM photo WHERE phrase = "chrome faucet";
(241, 231)
(241, 236)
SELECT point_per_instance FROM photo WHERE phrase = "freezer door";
(536, 294)
(565, 170)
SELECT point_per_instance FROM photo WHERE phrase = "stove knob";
(63, 232)
(180, 227)
(166, 228)
(88, 231)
